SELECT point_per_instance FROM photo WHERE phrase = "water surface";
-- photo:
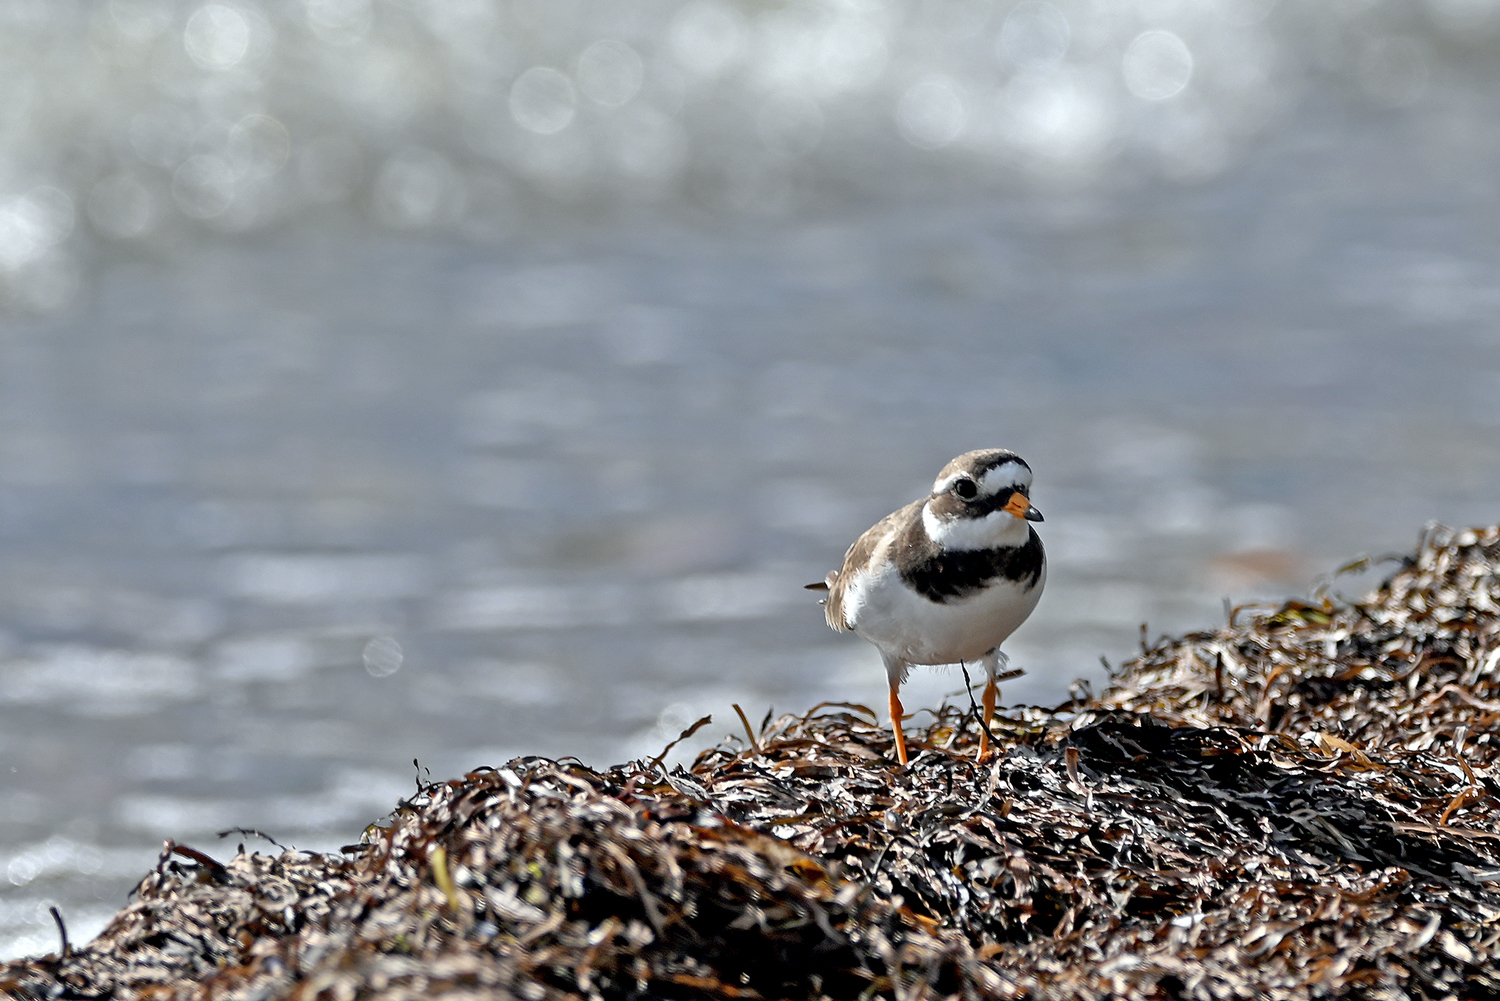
(410, 431)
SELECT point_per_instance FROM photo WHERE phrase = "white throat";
(996, 529)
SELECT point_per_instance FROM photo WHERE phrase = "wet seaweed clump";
(1298, 805)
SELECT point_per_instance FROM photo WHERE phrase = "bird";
(947, 578)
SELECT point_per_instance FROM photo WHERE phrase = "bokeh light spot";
(259, 145)
(1157, 65)
(1034, 36)
(610, 73)
(851, 55)
(1058, 118)
(417, 187)
(931, 114)
(22, 870)
(339, 22)
(542, 101)
(29, 225)
(217, 36)
(383, 656)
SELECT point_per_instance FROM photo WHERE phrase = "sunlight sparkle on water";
(437, 116)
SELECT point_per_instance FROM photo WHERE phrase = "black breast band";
(942, 576)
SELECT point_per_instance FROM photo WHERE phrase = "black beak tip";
(1032, 514)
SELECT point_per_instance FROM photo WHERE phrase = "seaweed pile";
(1298, 805)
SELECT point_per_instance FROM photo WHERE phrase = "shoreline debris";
(1301, 804)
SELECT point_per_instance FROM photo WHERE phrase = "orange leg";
(896, 713)
(990, 692)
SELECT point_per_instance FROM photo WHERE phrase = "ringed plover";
(946, 579)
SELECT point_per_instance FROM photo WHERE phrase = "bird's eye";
(966, 489)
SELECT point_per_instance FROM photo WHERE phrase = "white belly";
(908, 627)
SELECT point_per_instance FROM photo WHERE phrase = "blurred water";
(393, 380)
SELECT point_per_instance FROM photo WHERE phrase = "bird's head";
(981, 499)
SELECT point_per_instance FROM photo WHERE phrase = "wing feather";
(868, 548)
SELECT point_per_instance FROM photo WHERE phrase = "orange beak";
(1020, 506)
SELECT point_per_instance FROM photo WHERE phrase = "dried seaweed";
(1298, 805)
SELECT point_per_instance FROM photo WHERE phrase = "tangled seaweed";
(1298, 805)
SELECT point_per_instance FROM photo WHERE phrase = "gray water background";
(453, 381)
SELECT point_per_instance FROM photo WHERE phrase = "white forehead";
(1007, 476)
